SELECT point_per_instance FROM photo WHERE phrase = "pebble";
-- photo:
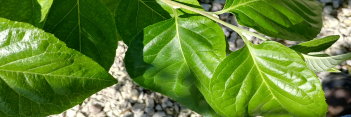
(158, 107)
(159, 114)
(207, 7)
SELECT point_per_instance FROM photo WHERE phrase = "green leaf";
(132, 16)
(86, 26)
(180, 50)
(30, 11)
(40, 76)
(316, 45)
(335, 70)
(266, 80)
(192, 3)
(287, 19)
(325, 63)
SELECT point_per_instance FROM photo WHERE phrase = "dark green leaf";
(30, 11)
(180, 50)
(316, 45)
(266, 80)
(287, 19)
(325, 63)
(85, 25)
(132, 16)
(40, 76)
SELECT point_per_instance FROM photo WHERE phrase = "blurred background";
(126, 99)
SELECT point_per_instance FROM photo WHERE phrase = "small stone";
(219, 1)
(176, 108)
(207, 7)
(169, 111)
(138, 107)
(134, 94)
(70, 113)
(159, 114)
(226, 31)
(79, 114)
(341, 93)
(164, 105)
(216, 6)
(158, 107)
(328, 9)
(138, 113)
(150, 102)
(169, 103)
(95, 108)
(127, 114)
(335, 110)
(149, 110)
(331, 22)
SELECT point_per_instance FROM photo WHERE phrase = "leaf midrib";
(51, 75)
(179, 40)
(249, 46)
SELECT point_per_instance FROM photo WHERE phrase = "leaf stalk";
(214, 17)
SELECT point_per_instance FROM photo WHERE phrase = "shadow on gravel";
(337, 87)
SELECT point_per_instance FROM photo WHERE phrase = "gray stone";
(216, 6)
(207, 7)
(138, 107)
(159, 114)
(158, 107)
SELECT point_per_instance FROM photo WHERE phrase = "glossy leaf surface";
(177, 48)
(287, 19)
(325, 63)
(266, 80)
(30, 11)
(316, 45)
(40, 76)
(86, 26)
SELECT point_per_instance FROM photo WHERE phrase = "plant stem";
(213, 17)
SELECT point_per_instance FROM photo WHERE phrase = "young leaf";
(86, 26)
(325, 63)
(266, 80)
(287, 19)
(177, 48)
(40, 76)
(30, 11)
(316, 45)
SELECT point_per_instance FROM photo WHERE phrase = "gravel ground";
(126, 99)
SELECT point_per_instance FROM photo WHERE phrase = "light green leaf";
(325, 63)
(316, 45)
(40, 76)
(335, 70)
(30, 11)
(145, 14)
(192, 3)
(180, 50)
(287, 19)
(86, 26)
(266, 80)
(45, 7)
